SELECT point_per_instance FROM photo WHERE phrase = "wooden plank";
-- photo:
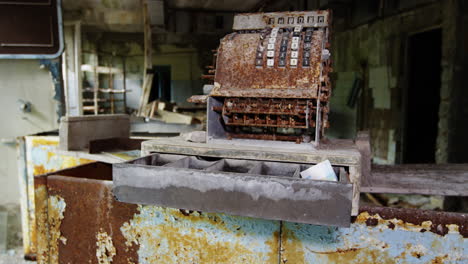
(77, 59)
(176, 118)
(111, 86)
(341, 154)
(430, 179)
(71, 72)
(100, 69)
(148, 46)
(96, 81)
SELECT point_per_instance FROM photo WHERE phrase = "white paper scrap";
(321, 171)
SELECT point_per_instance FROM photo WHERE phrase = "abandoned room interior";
(254, 131)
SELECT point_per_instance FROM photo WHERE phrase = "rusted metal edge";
(439, 220)
(41, 217)
(248, 21)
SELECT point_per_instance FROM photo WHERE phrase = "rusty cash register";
(267, 116)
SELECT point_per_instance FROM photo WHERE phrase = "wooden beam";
(148, 45)
(100, 69)
(96, 80)
(429, 179)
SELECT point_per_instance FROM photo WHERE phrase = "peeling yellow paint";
(50, 155)
(182, 243)
(66, 162)
(274, 244)
(43, 141)
(105, 251)
(69, 162)
(39, 170)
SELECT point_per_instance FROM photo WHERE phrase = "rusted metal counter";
(38, 155)
(79, 221)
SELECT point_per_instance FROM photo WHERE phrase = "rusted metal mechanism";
(271, 78)
(211, 69)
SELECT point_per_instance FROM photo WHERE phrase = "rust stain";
(196, 217)
(39, 170)
(295, 249)
(439, 259)
(374, 220)
(356, 256)
(67, 162)
(173, 243)
(251, 86)
(274, 245)
(416, 254)
(440, 223)
(181, 246)
(237, 74)
(91, 212)
(292, 251)
(42, 238)
(56, 208)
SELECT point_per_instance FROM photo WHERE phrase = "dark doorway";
(422, 96)
(161, 87)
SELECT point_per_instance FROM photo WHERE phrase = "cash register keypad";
(285, 46)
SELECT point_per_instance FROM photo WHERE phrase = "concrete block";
(76, 131)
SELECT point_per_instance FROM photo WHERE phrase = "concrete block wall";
(380, 46)
(454, 104)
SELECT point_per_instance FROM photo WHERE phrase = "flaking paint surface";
(171, 236)
(41, 156)
(161, 235)
(42, 224)
(105, 251)
(371, 239)
(42, 159)
(56, 208)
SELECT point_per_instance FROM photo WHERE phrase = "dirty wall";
(376, 52)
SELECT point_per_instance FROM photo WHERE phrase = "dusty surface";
(14, 256)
